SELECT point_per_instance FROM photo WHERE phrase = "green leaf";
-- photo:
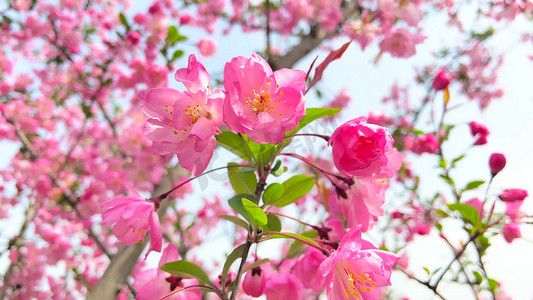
(255, 264)
(257, 216)
(262, 153)
(186, 269)
(236, 144)
(274, 224)
(279, 171)
(473, 184)
(272, 193)
(173, 34)
(427, 270)
(177, 54)
(232, 257)
(479, 278)
(123, 20)
(468, 212)
(440, 212)
(297, 247)
(276, 166)
(295, 188)
(312, 114)
(235, 202)
(447, 178)
(235, 220)
(493, 284)
(457, 159)
(242, 183)
(294, 236)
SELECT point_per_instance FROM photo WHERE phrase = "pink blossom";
(133, 217)
(185, 122)
(283, 286)
(511, 231)
(497, 162)
(364, 203)
(155, 283)
(363, 32)
(441, 81)
(513, 195)
(480, 131)
(360, 149)
(427, 143)
(357, 269)
(207, 47)
(306, 268)
(399, 42)
(253, 283)
(261, 103)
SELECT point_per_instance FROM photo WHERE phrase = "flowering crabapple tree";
(106, 154)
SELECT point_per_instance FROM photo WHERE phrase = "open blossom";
(306, 267)
(427, 143)
(364, 204)
(133, 217)
(361, 149)
(207, 47)
(185, 122)
(399, 42)
(260, 103)
(357, 269)
(511, 231)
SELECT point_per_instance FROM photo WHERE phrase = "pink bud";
(441, 81)
(497, 163)
(185, 18)
(254, 282)
(513, 195)
(133, 37)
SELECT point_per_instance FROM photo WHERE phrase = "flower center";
(360, 282)
(261, 101)
(196, 112)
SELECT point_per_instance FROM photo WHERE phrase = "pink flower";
(513, 195)
(207, 47)
(511, 231)
(254, 282)
(363, 32)
(260, 103)
(497, 162)
(360, 149)
(283, 286)
(422, 144)
(441, 81)
(154, 283)
(399, 42)
(480, 131)
(185, 122)
(357, 269)
(364, 203)
(306, 267)
(133, 217)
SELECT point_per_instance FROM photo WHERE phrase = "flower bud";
(254, 282)
(441, 81)
(497, 163)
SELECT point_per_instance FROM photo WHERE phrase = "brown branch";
(310, 41)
